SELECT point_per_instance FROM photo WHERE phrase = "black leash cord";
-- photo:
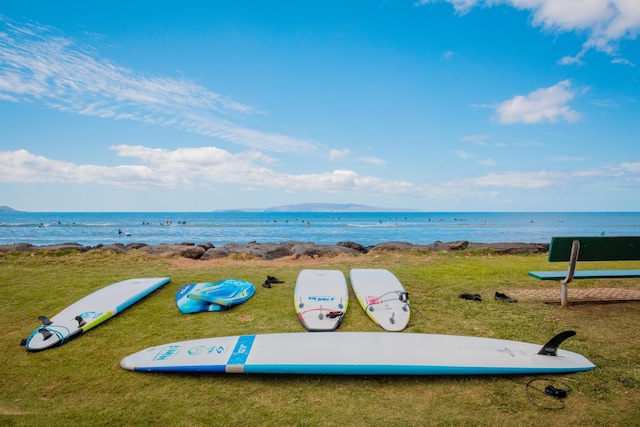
(549, 392)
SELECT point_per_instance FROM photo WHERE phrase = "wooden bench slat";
(586, 274)
(623, 248)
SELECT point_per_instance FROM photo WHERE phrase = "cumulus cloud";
(38, 65)
(187, 168)
(206, 167)
(541, 105)
(605, 22)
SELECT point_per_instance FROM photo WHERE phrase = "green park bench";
(574, 249)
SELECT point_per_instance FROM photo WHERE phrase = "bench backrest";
(624, 248)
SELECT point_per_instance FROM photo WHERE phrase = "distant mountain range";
(325, 207)
(301, 207)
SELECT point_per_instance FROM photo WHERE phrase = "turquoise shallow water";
(366, 228)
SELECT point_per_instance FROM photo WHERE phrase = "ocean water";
(366, 228)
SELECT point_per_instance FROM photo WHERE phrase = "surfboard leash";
(402, 296)
(557, 394)
(49, 332)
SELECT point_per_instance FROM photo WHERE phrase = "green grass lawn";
(82, 384)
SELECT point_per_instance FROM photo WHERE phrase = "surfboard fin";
(45, 320)
(45, 333)
(551, 347)
(80, 321)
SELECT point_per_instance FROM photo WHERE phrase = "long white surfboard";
(382, 297)
(90, 311)
(359, 353)
(321, 298)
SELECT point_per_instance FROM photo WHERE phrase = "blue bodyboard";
(219, 296)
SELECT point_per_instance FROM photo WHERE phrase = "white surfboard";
(382, 297)
(359, 353)
(321, 298)
(90, 311)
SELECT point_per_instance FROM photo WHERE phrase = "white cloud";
(37, 65)
(541, 105)
(526, 180)
(372, 160)
(567, 159)
(622, 61)
(187, 168)
(605, 22)
(631, 168)
(338, 154)
(461, 6)
(487, 162)
(464, 155)
(477, 139)
(208, 167)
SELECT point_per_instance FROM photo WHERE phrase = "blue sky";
(458, 105)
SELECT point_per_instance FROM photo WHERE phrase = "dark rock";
(78, 247)
(512, 248)
(266, 251)
(18, 247)
(392, 246)
(188, 251)
(113, 247)
(291, 243)
(193, 252)
(136, 245)
(450, 246)
(270, 251)
(314, 251)
(215, 253)
(356, 246)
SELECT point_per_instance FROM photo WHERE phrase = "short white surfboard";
(321, 298)
(360, 353)
(382, 297)
(90, 311)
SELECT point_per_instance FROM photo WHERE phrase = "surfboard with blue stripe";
(359, 353)
(90, 311)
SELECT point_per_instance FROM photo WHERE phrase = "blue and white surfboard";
(359, 353)
(90, 311)
(321, 298)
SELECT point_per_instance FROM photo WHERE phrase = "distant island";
(300, 207)
(322, 207)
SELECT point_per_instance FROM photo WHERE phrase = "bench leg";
(573, 259)
(564, 300)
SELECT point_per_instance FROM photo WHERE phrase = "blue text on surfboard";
(241, 350)
(167, 352)
(314, 298)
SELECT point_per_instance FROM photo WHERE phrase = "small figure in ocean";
(119, 231)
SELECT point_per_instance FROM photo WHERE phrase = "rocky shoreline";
(271, 251)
